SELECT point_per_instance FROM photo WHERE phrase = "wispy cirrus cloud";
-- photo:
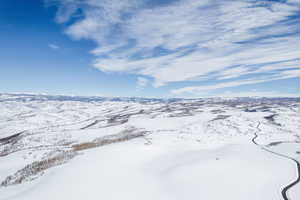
(142, 83)
(255, 93)
(188, 40)
(261, 79)
(53, 46)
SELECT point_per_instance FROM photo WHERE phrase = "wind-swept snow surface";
(54, 147)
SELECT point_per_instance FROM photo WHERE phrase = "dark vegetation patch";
(11, 138)
(181, 113)
(250, 110)
(92, 124)
(281, 142)
(274, 143)
(271, 119)
(217, 111)
(221, 117)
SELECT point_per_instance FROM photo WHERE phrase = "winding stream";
(284, 191)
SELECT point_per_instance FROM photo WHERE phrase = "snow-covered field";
(54, 147)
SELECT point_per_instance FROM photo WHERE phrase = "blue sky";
(151, 48)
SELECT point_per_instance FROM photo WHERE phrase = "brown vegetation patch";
(36, 169)
(31, 171)
(123, 136)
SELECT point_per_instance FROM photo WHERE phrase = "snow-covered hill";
(60, 147)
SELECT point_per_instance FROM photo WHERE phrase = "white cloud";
(53, 46)
(198, 89)
(233, 72)
(142, 82)
(204, 39)
(258, 94)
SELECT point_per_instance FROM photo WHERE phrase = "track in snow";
(284, 191)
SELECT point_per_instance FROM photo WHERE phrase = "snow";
(132, 170)
(185, 149)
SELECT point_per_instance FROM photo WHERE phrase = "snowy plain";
(54, 147)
